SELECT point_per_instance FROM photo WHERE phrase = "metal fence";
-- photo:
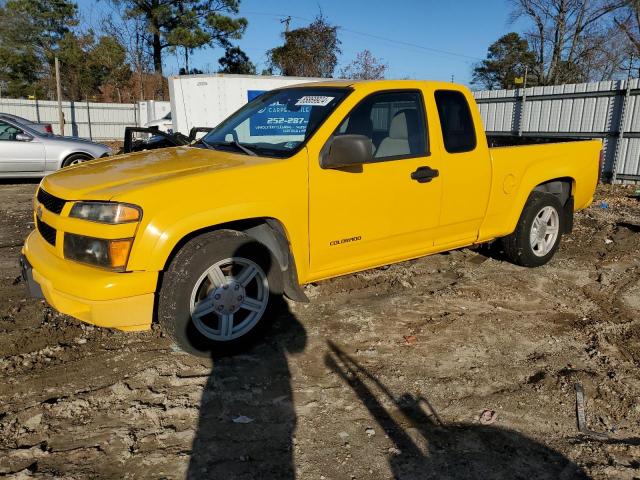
(95, 121)
(607, 110)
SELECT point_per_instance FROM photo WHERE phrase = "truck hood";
(104, 179)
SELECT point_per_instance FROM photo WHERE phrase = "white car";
(164, 124)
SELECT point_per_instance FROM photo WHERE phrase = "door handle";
(424, 174)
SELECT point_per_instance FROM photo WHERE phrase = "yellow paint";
(478, 196)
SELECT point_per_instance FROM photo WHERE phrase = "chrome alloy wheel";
(229, 299)
(544, 231)
(77, 161)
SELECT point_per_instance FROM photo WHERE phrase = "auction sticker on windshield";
(314, 100)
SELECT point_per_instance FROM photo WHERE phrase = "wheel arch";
(76, 152)
(269, 232)
(562, 188)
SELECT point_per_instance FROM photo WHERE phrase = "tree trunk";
(558, 41)
(157, 54)
(186, 59)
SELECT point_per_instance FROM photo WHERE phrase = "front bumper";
(108, 299)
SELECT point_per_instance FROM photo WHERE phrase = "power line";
(377, 37)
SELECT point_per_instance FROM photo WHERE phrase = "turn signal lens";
(112, 254)
(119, 252)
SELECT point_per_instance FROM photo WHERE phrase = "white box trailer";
(151, 110)
(206, 100)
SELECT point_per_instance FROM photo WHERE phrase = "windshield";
(276, 123)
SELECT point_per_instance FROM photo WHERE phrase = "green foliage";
(30, 31)
(236, 61)
(45, 22)
(506, 60)
(86, 66)
(34, 32)
(189, 24)
(310, 51)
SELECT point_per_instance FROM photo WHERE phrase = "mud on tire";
(219, 293)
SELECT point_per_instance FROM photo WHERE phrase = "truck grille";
(51, 203)
(47, 232)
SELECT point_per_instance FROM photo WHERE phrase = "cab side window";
(395, 123)
(458, 131)
(8, 132)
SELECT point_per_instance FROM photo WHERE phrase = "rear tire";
(219, 293)
(537, 235)
(76, 159)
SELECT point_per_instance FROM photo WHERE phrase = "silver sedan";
(25, 152)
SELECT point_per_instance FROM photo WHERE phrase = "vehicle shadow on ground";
(256, 386)
(14, 181)
(427, 448)
(492, 250)
(247, 418)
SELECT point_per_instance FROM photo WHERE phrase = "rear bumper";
(108, 299)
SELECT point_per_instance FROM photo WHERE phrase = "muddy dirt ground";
(383, 375)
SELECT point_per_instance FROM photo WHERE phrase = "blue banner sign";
(275, 119)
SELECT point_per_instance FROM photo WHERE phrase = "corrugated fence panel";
(99, 121)
(604, 110)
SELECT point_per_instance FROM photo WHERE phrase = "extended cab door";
(465, 170)
(381, 211)
(19, 155)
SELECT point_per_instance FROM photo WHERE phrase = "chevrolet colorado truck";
(302, 184)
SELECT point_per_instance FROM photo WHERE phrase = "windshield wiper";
(234, 143)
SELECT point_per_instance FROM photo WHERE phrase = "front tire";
(76, 159)
(219, 293)
(537, 235)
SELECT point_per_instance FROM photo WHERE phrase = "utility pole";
(524, 100)
(621, 125)
(59, 90)
(286, 21)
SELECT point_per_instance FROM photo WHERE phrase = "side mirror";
(347, 151)
(23, 137)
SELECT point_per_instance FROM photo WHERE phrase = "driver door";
(378, 212)
(19, 155)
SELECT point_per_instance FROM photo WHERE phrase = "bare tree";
(569, 37)
(132, 33)
(365, 67)
(628, 22)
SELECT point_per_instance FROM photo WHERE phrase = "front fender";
(156, 239)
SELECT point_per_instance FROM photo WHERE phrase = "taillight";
(600, 165)
(48, 129)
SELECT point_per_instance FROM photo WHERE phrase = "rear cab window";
(395, 123)
(458, 130)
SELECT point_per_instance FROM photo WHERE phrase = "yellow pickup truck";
(302, 184)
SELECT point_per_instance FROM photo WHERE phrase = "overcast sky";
(412, 36)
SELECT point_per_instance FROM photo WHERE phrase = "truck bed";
(516, 140)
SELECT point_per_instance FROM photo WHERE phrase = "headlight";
(111, 254)
(106, 212)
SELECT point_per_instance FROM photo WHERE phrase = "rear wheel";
(537, 235)
(219, 293)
